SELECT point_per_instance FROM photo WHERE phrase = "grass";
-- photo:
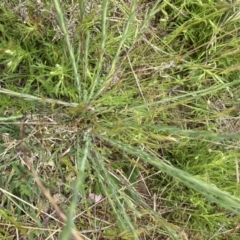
(119, 120)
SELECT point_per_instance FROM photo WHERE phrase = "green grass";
(133, 102)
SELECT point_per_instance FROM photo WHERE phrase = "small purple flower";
(95, 197)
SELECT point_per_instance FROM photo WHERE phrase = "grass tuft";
(119, 119)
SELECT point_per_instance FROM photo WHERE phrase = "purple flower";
(95, 197)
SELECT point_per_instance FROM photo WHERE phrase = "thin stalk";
(62, 24)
